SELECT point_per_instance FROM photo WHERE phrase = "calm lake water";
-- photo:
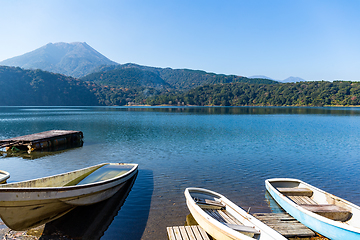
(229, 150)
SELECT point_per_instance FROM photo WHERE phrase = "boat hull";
(3, 176)
(210, 228)
(329, 228)
(30, 214)
(23, 208)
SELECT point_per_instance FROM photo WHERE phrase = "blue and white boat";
(329, 215)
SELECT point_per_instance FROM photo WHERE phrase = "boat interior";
(304, 197)
(217, 210)
(89, 175)
(101, 174)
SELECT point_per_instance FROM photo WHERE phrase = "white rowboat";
(4, 176)
(329, 215)
(31, 203)
(224, 220)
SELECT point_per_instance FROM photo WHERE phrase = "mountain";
(127, 78)
(20, 87)
(72, 59)
(180, 79)
(287, 80)
(79, 60)
(293, 79)
(261, 76)
(118, 87)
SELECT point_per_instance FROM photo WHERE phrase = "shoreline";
(167, 105)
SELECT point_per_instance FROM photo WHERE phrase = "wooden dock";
(194, 232)
(43, 140)
(285, 224)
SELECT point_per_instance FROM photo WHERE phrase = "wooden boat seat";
(302, 200)
(243, 228)
(226, 218)
(330, 211)
(298, 195)
(301, 196)
(209, 204)
(296, 191)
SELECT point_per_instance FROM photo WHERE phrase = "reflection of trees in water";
(41, 153)
(246, 110)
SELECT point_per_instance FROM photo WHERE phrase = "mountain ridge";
(78, 60)
(261, 76)
(293, 79)
(22, 87)
(75, 59)
(286, 80)
(182, 79)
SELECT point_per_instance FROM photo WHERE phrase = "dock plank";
(194, 232)
(191, 233)
(184, 233)
(41, 135)
(177, 233)
(204, 235)
(170, 232)
(285, 224)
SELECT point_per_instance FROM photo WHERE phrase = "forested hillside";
(130, 86)
(127, 78)
(318, 93)
(21, 87)
(183, 79)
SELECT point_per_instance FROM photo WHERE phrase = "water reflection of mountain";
(88, 222)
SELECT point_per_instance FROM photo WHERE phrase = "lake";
(230, 150)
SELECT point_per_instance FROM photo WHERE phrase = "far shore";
(167, 105)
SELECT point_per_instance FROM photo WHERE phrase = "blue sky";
(314, 40)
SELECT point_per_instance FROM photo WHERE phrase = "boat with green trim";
(31, 203)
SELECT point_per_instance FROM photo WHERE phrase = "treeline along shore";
(315, 93)
(131, 85)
